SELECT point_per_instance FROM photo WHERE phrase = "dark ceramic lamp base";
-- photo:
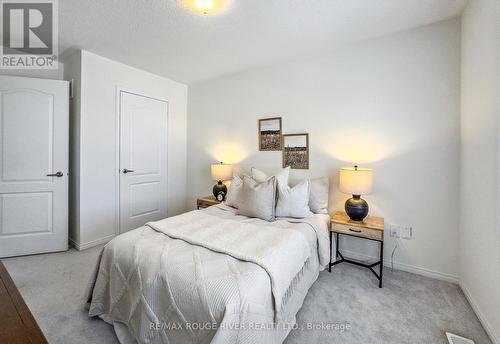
(356, 208)
(218, 188)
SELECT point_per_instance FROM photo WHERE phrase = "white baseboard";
(84, 246)
(406, 267)
(486, 325)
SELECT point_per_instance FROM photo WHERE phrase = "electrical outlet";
(395, 231)
(407, 232)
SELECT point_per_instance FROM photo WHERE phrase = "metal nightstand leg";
(330, 264)
(337, 252)
(381, 263)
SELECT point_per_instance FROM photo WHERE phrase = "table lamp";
(221, 172)
(356, 181)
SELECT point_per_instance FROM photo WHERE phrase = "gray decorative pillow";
(233, 193)
(318, 198)
(258, 199)
(293, 202)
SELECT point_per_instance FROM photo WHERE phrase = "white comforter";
(188, 279)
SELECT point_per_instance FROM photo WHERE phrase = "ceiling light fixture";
(205, 6)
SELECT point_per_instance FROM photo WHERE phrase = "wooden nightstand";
(206, 202)
(372, 228)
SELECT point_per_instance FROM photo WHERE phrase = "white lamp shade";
(356, 181)
(221, 171)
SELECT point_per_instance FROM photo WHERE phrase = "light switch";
(407, 232)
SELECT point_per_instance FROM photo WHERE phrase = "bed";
(209, 276)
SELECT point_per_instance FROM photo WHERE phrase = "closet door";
(33, 166)
(143, 160)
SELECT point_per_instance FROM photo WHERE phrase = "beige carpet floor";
(409, 309)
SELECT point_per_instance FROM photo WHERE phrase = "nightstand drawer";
(362, 232)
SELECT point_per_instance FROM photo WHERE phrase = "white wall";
(391, 104)
(97, 145)
(480, 189)
(56, 74)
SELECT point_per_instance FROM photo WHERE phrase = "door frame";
(140, 93)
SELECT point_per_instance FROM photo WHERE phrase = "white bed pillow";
(257, 199)
(281, 177)
(233, 193)
(318, 198)
(293, 202)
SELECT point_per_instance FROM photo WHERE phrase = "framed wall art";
(270, 134)
(296, 151)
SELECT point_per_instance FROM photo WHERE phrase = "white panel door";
(143, 160)
(33, 166)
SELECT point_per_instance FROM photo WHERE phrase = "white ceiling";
(163, 37)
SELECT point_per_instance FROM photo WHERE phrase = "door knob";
(126, 170)
(58, 174)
